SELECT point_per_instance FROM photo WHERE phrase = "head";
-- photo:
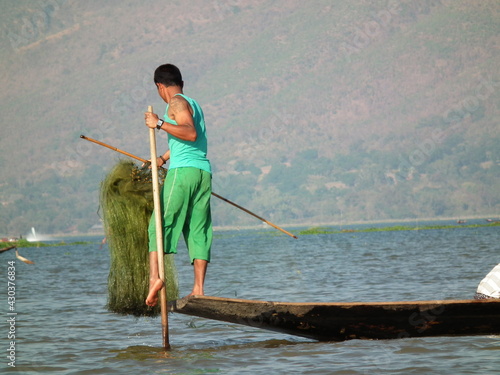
(168, 75)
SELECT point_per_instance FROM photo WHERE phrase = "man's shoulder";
(180, 98)
(178, 103)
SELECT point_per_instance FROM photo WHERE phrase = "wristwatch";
(159, 124)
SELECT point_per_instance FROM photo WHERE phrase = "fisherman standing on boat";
(185, 195)
(489, 287)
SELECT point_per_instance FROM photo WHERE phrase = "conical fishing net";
(127, 204)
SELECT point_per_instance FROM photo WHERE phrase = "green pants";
(185, 204)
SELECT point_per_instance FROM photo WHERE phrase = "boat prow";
(338, 321)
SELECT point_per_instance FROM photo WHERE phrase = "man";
(489, 287)
(185, 196)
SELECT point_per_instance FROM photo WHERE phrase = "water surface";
(63, 326)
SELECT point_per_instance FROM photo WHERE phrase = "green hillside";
(368, 110)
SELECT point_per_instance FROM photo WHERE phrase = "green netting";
(127, 204)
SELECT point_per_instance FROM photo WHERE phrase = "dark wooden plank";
(8, 248)
(341, 321)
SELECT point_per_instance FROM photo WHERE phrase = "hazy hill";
(316, 110)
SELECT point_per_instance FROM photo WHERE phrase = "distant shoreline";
(310, 229)
(262, 225)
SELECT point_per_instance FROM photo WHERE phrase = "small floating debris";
(18, 256)
(23, 259)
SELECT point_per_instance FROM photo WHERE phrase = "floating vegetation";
(25, 243)
(127, 205)
(325, 230)
(317, 230)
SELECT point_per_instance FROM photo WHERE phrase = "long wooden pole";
(159, 236)
(215, 195)
(254, 215)
(112, 148)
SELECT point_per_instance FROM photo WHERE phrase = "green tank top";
(186, 153)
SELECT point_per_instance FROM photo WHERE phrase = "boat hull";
(343, 321)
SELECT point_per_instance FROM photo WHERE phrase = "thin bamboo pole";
(215, 195)
(159, 236)
(254, 215)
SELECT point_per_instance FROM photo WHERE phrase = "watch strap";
(159, 124)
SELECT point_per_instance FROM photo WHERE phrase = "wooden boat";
(7, 248)
(342, 321)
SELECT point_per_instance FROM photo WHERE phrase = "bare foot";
(196, 292)
(154, 288)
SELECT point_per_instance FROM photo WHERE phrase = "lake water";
(63, 327)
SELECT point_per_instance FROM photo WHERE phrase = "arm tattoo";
(178, 105)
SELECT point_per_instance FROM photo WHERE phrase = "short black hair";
(168, 75)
